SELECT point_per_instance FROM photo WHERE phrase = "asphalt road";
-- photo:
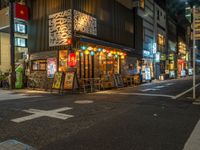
(135, 118)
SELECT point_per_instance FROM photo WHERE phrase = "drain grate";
(14, 145)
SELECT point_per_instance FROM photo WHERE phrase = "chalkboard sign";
(57, 81)
(118, 80)
(70, 80)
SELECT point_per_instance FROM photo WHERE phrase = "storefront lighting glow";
(87, 52)
(90, 48)
(104, 50)
(69, 41)
(99, 49)
(122, 57)
(95, 49)
(72, 60)
(92, 53)
(109, 55)
(83, 48)
(116, 56)
(107, 51)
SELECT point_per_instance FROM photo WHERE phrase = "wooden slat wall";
(38, 26)
(111, 16)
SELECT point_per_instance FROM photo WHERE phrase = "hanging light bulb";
(99, 49)
(83, 48)
(109, 55)
(92, 53)
(90, 48)
(87, 52)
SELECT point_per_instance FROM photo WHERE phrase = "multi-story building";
(100, 33)
(145, 9)
(172, 47)
(160, 32)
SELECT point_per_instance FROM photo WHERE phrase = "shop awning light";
(83, 48)
(99, 49)
(92, 53)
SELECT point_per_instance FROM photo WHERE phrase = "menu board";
(57, 81)
(71, 81)
(51, 67)
(118, 80)
(147, 74)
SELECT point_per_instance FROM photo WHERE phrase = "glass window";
(20, 28)
(20, 42)
(39, 65)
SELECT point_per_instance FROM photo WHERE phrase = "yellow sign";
(69, 80)
(57, 81)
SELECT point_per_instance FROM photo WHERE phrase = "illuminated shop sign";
(85, 23)
(60, 28)
(157, 57)
(163, 57)
(20, 42)
(146, 53)
(20, 28)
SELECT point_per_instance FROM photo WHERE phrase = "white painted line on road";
(36, 113)
(144, 94)
(169, 84)
(185, 92)
(193, 143)
(84, 102)
(160, 87)
(146, 90)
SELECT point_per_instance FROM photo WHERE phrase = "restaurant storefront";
(75, 36)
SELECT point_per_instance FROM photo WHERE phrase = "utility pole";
(194, 54)
(12, 43)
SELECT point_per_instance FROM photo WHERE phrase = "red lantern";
(72, 60)
(69, 41)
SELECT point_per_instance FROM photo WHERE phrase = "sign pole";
(194, 54)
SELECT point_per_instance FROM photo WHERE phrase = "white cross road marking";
(36, 113)
(169, 84)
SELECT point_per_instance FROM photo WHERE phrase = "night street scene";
(99, 74)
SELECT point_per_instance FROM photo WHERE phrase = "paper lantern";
(83, 47)
(99, 49)
(87, 52)
(92, 53)
(72, 60)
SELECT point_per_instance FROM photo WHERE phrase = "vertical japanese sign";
(60, 28)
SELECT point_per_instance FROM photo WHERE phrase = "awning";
(104, 43)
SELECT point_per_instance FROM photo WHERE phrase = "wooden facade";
(115, 22)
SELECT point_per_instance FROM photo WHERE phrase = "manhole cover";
(14, 145)
(84, 102)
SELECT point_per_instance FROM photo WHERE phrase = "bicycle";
(31, 83)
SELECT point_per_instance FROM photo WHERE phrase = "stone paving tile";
(14, 145)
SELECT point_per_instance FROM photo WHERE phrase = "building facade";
(100, 33)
